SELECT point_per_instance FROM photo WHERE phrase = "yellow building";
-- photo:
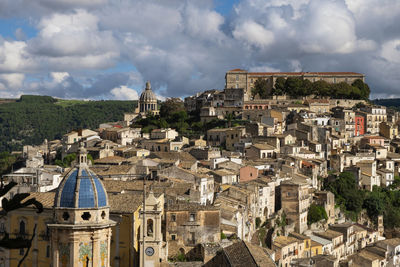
(75, 230)
(238, 78)
(304, 244)
(316, 248)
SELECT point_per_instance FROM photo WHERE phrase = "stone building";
(190, 224)
(151, 238)
(226, 137)
(238, 78)
(327, 200)
(373, 116)
(286, 249)
(338, 248)
(81, 232)
(296, 200)
(148, 101)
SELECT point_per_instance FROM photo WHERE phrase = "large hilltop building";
(148, 101)
(147, 104)
(238, 78)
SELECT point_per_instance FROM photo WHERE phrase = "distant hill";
(31, 119)
(389, 102)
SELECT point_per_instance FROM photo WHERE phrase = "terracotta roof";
(237, 70)
(173, 188)
(260, 255)
(304, 73)
(111, 159)
(188, 206)
(283, 241)
(368, 255)
(263, 146)
(222, 172)
(183, 156)
(328, 234)
(124, 203)
(238, 255)
(112, 169)
(46, 198)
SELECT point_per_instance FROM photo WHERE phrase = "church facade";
(147, 104)
(83, 225)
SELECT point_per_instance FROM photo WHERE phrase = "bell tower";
(151, 239)
(81, 232)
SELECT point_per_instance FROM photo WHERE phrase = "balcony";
(22, 235)
(45, 237)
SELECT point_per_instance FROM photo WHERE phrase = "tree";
(294, 86)
(315, 214)
(279, 88)
(6, 162)
(363, 87)
(261, 88)
(229, 117)
(321, 88)
(374, 203)
(346, 192)
(67, 161)
(306, 87)
(171, 106)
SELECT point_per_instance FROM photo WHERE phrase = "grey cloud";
(185, 46)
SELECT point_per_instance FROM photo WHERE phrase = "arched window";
(22, 227)
(149, 227)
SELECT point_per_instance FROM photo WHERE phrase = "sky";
(108, 49)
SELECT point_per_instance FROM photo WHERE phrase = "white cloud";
(186, 46)
(252, 33)
(203, 23)
(59, 76)
(124, 93)
(73, 35)
(11, 81)
(391, 51)
(14, 57)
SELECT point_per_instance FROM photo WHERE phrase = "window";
(192, 217)
(173, 237)
(86, 216)
(173, 217)
(22, 227)
(237, 78)
(65, 216)
(149, 227)
(21, 251)
(47, 251)
(193, 237)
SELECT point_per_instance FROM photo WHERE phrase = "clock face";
(149, 251)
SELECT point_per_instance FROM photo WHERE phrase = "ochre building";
(238, 78)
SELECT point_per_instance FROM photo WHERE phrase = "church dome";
(148, 95)
(81, 188)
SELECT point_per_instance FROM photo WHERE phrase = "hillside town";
(279, 181)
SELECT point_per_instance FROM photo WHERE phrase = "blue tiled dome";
(81, 189)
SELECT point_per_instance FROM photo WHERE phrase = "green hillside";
(31, 119)
(389, 102)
